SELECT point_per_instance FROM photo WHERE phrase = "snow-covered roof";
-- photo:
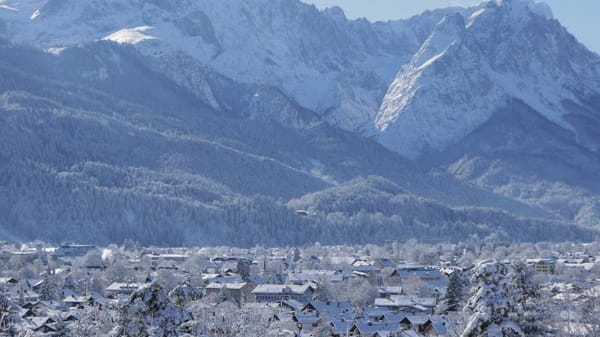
(548, 260)
(306, 318)
(390, 290)
(228, 286)
(281, 289)
(406, 301)
(330, 307)
(293, 304)
(5, 280)
(124, 287)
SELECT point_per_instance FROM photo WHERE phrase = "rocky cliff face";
(470, 68)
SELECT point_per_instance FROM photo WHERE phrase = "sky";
(581, 17)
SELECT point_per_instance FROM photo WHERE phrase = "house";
(432, 276)
(238, 291)
(27, 296)
(43, 308)
(282, 317)
(72, 250)
(438, 327)
(78, 301)
(330, 308)
(389, 291)
(368, 328)
(407, 304)
(395, 318)
(168, 261)
(292, 305)
(266, 278)
(306, 322)
(232, 278)
(544, 266)
(418, 323)
(340, 327)
(375, 312)
(8, 281)
(275, 293)
(40, 324)
(315, 276)
(366, 269)
(70, 317)
(35, 284)
(118, 288)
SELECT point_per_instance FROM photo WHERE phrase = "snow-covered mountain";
(207, 120)
(470, 67)
(320, 59)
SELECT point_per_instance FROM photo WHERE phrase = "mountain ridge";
(217, 126)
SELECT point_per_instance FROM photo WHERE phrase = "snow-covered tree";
(150, 313)
(454, 292)
(7, 315)
(413, 285)
(526, 292)
(492, 310)
(243, 267)
(185, 293)
(590, 313)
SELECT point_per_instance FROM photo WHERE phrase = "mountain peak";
(336, 13)
(459, 78)
(521, 7)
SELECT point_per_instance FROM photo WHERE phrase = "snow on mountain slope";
(319, 58)
(467, 70)
(130, 36)
(250, 82)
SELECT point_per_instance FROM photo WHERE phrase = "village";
(395, 289)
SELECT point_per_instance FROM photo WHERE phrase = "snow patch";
(8, 8)
(35, 15)
(130, 35)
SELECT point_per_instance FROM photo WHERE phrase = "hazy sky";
(581, 17)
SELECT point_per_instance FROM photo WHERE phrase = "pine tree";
(297, 255)
(491, 307)
(243, 267)
(455, 291)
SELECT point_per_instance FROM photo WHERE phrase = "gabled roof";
(439, 325)
(393, 318)
(306, 318)
(34, 283)
(6, 280)
(283, 316)
(370, 328)
(29, 294)
(37, 322)
(293, 304)
(329, 307)
(416, 319)
(376, 311)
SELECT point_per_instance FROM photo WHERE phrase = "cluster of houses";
(578, 263)
(277, 282)
(287, 284)
(342, 319)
